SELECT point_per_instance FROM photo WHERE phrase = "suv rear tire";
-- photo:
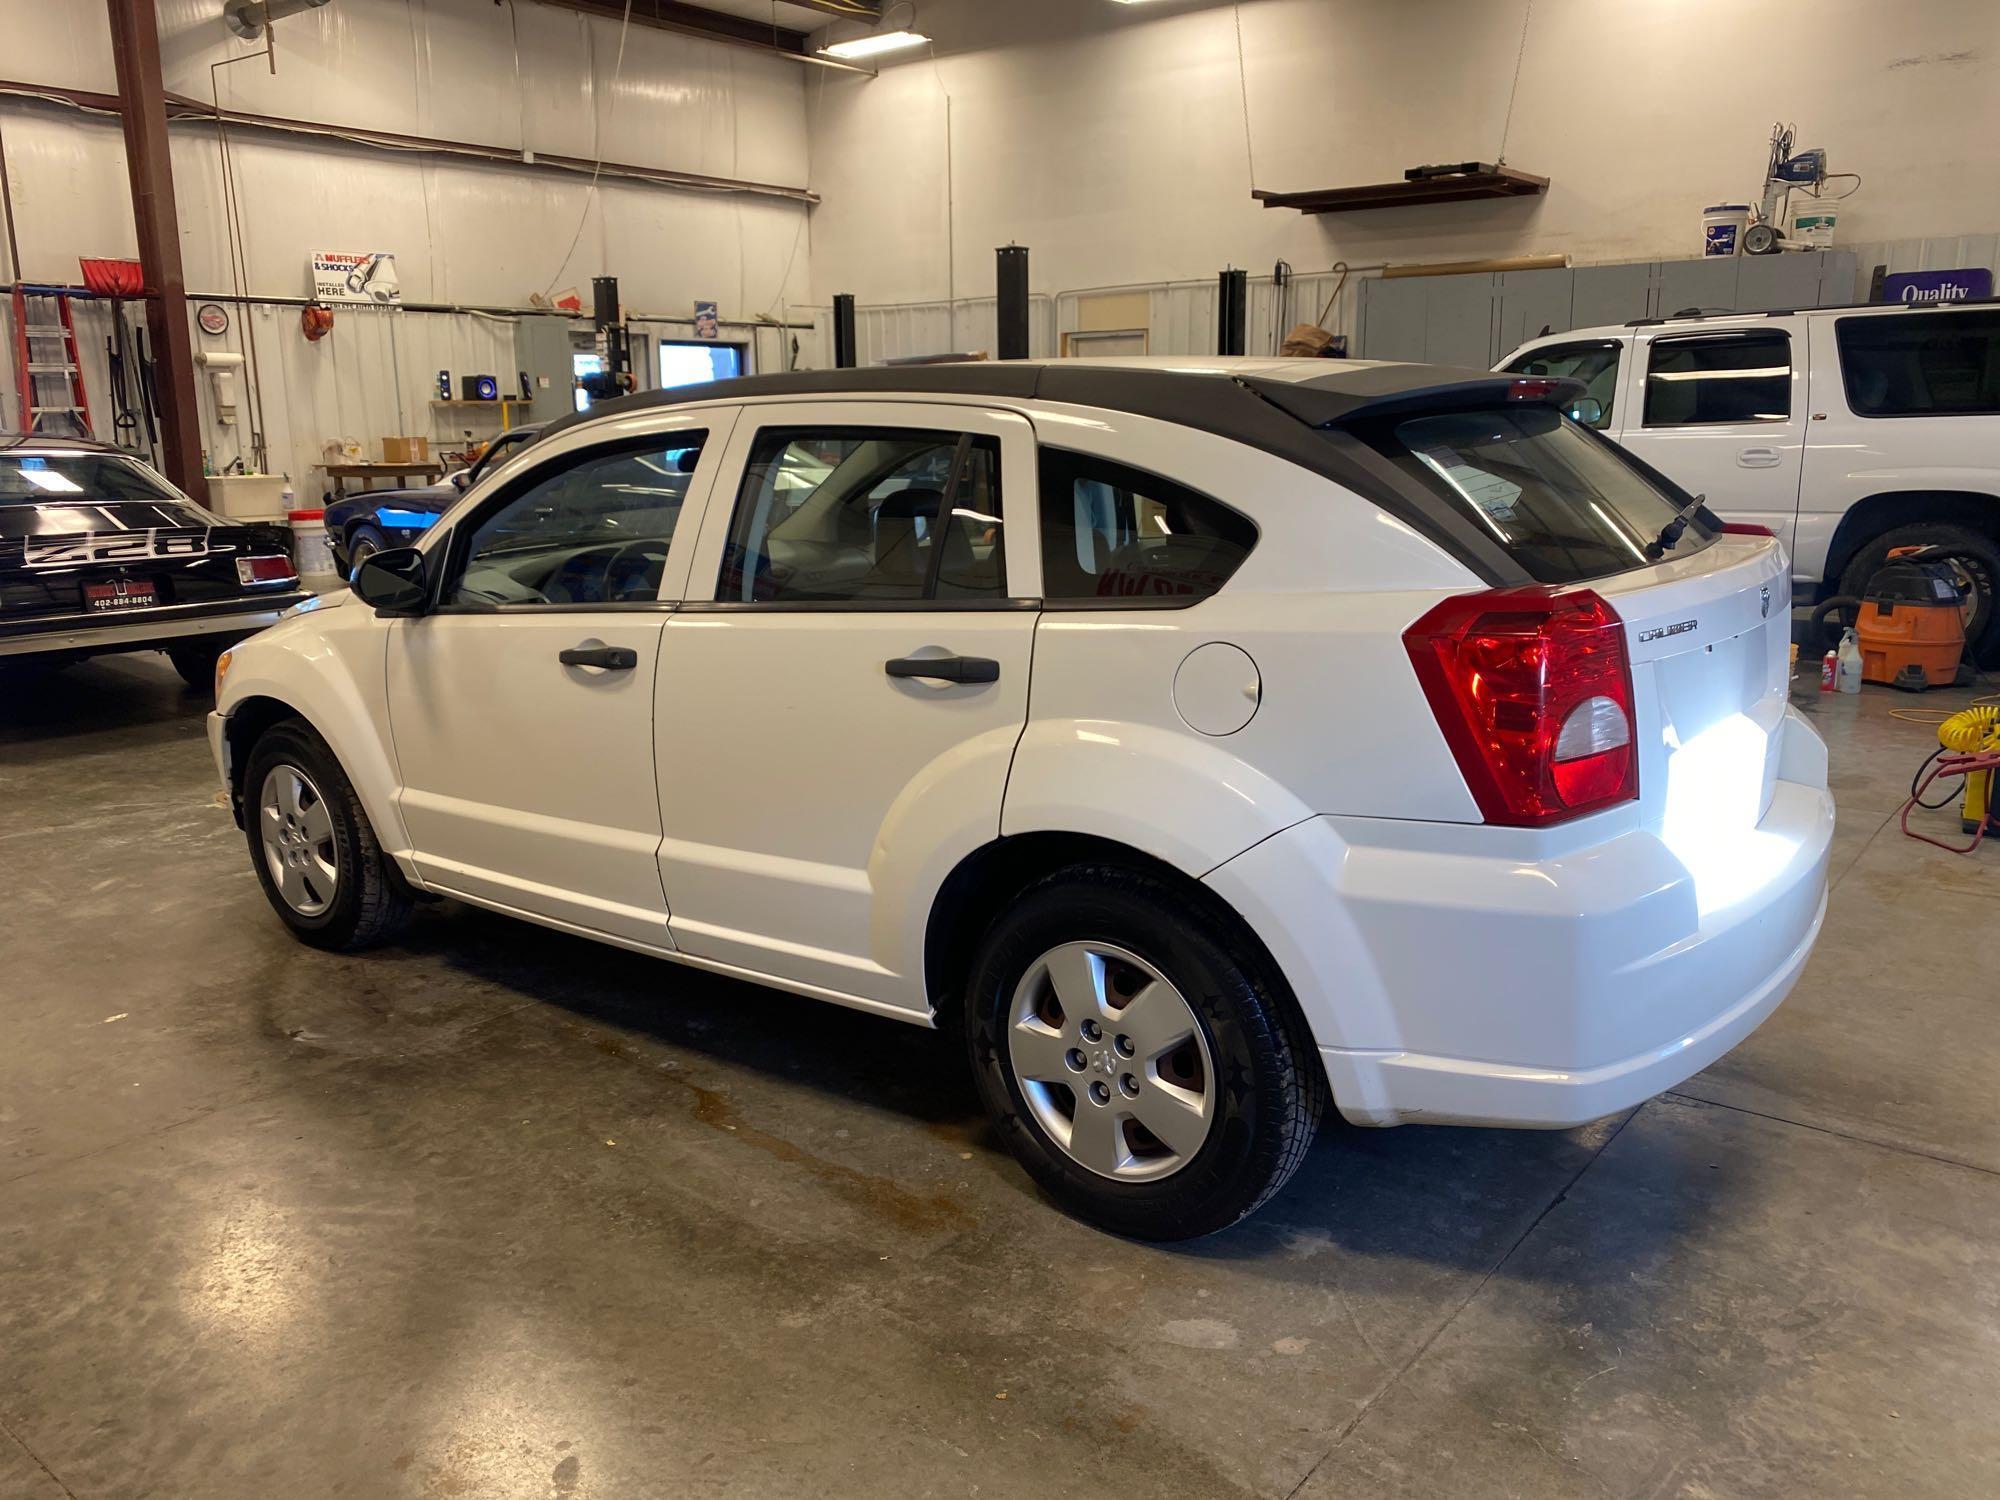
(312, 847)
(1164, 1019)
(1979, 558)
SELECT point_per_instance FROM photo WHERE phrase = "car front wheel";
(312, 847)
(1141, 1064)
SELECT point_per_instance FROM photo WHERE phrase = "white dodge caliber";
(1203, 740)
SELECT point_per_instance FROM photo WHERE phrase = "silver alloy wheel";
(361, 549)
(297, 833)
(1112, 1061)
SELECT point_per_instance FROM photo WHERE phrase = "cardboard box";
(406, 450)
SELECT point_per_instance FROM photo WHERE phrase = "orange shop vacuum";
(1911, 625)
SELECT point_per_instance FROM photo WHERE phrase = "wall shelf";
(1451, 187)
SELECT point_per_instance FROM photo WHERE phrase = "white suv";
(1202, 741)
(1847, 431)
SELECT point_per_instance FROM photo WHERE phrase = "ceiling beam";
(853, 10)
(692, 20)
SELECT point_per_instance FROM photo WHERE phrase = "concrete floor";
(501, 1213)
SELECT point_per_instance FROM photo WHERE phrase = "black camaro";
(98, 553)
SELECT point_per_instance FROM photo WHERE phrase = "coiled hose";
(1969, 743)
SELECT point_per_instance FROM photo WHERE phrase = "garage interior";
(498, 1211)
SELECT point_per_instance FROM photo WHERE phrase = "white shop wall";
(1109, 138)
(464, 231)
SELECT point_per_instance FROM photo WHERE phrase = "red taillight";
(265, 570)
(1746, 528)
(1533, 690)
(1534, 388)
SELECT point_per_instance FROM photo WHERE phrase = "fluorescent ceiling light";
(868, 46)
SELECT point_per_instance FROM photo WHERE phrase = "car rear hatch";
(1565, 514)
(108, 559)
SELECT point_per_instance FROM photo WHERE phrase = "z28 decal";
(112, 547)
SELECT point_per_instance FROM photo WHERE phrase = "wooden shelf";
(1454, 187)
(495, 404)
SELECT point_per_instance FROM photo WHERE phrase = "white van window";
(1710, 379)
(1921, 364)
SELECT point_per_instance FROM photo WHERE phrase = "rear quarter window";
(1921, 364)
(1116, 535)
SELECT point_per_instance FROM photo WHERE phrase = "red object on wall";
(316, 322)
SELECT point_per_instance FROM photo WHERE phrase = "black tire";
(363, 542)
(1977, 554)
(370, 903)
(1269, 1087)
(195, 661)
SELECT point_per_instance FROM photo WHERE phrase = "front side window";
(856, 514)
(1595, 364)
(1707, 380)
(595, 531)
(1117, 534)
(1921, 364)
(1563, 502)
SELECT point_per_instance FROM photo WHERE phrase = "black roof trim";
(31, 440)
(1292, 420)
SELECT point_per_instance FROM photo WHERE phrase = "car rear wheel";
(195, 661)
(1975, 559)
(1143, 1066)
(312, 847)
(363, 543)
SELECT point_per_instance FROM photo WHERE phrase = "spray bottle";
(1850, 662)
(1829, 671)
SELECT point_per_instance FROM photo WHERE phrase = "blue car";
(363, 523)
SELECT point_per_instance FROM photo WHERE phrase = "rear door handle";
(945, 668)
(611, 658)
(1759, 458)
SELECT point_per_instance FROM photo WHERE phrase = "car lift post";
(843, 330)
(1011, 305)
(1232, 311)
(142, 109)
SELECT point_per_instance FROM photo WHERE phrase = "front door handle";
(1759, 458)
(611, 658)
(945, 668)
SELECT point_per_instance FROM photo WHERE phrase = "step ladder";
(47, 364)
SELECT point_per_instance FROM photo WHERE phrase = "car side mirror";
(458, 479)
(393, 581)
(1587, 410)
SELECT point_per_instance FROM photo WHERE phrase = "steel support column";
(142, 108)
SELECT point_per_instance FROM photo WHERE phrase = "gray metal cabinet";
(1529, 301)
(1609, 294)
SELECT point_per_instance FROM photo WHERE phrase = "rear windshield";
(53, 493)
(1564, 502)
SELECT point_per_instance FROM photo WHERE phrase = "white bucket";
(1722, 228)
(310, 548)
(1812, 226)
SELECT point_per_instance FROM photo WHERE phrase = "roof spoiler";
(1319, 407)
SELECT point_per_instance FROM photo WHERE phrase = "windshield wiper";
(1671, 532)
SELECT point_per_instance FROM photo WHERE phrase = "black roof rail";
(1787, 312)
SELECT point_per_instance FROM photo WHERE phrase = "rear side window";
(1111, 533)
(1712, 379)
(866, 514)
(1595, 364)
(1921, 364)
(1566, 503)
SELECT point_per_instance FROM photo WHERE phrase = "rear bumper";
(1466, 975)
(86, 634)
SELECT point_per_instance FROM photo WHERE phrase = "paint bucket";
(310, 548)
(1722, 228)
(1812, 226)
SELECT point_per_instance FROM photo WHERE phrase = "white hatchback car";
(1206, 740)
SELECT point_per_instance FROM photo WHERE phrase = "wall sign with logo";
(1922, 288)
(355, 276)
(707, 321)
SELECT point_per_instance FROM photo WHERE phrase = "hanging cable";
(1520, 55)
(1243, 86)
(596, 148)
